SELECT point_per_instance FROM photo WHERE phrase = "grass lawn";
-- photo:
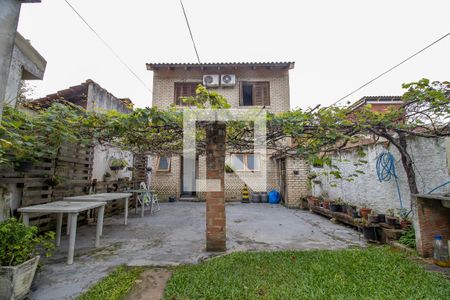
(372, 273)
(115, 286)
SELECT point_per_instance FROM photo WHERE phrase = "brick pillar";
(215, 200)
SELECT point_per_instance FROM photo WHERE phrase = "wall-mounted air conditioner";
(228, 80)
(211, 80)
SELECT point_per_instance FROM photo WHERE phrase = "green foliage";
(28, 136)
(372, 273)
(19, 243)
(118, 162)
(115, 286)
(408, 238)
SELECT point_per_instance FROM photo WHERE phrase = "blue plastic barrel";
(274, 197)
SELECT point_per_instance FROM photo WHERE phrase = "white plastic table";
(104, 197)
(72, 209)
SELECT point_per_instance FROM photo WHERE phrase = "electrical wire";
(109, 47)
(190, 31)
(391, 68)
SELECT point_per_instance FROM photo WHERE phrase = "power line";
(190, 31)
(109, 47)
(391, 68)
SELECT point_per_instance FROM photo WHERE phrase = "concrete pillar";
(215, 200)
(9, 18)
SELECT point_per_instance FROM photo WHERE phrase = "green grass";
(115, 286)
(373, 273)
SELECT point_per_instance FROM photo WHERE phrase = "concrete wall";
(9, 18)
(101, 100)
(164, 85)
(26, 64)
(102, 160)
(431, 166)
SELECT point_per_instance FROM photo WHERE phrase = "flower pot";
(335, 207)
(23, 166)
(365, 212)
(15, 282)
(355, 214)
(405, 224)
(344, 209)
(115, 168)
(372, 219)
(382, 218)
(370, 233)
(326, 204)
(391, 221)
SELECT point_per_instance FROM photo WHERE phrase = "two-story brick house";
(244, 85)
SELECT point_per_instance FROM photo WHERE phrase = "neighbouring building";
(92, 97)
(9, 18)
(244, 85)
(26, 64)
(431, 163)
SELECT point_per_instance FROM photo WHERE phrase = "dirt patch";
(150, 285)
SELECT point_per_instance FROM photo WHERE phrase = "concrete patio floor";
(176, 235)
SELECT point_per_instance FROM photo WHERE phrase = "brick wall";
(164, 84)
(296, 181)
(431, 219)
(166, 184)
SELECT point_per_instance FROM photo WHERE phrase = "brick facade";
(169, 183)
(296, 181)
(431, 219)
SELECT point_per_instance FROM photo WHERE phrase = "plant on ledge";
(117, 164)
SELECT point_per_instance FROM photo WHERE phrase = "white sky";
(336, 45)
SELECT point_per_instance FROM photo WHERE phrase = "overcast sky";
(336, 45)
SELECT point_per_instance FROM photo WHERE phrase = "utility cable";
(391, 68)
(190, 31)
(109, 47)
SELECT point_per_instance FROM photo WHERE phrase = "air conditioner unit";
(228, 80)
(211, 80)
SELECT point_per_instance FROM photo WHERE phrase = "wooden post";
(215, 200)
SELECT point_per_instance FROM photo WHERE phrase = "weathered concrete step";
(189, 199)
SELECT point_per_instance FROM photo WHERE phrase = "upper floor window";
(184, 90)
(255, 93)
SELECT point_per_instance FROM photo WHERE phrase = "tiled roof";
(76, 94)
(374, 99)
(284, 65)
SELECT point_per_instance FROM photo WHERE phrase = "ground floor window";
(245, 162)
(163, 163)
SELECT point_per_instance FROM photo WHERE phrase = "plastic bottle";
(440, 252)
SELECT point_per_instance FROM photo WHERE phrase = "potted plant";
(336, 206)
(364, 212)
(351, 211)
(107, 176)
(54, 181)
(23, 165)
(405, 223)
(117, 164)
(391, 219)
(382, 218)
(19, 256)
(373, 217)
(326, 203)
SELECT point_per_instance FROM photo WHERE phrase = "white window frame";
(245, 162)
(168, 165)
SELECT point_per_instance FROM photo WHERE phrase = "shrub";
(408, 238)
(19, 243)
